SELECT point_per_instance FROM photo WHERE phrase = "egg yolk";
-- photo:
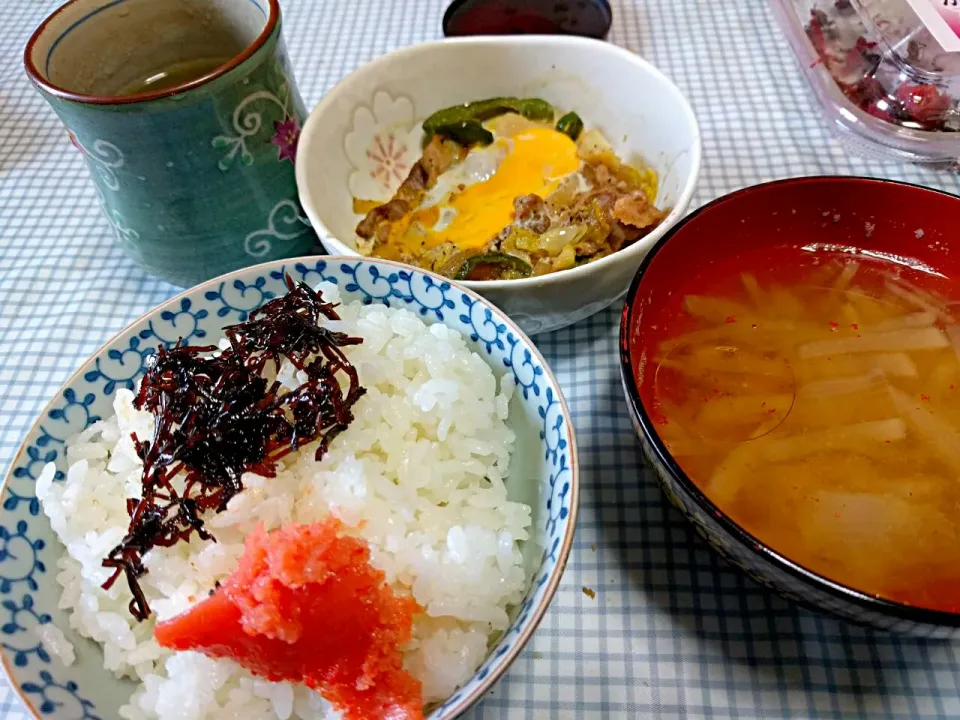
(538, 162)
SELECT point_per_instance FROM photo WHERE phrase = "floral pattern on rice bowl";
(34, 628)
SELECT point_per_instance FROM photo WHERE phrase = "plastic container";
(887, 72)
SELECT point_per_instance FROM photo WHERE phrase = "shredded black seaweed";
(218, 417)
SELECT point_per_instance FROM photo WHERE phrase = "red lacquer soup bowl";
(914, 226)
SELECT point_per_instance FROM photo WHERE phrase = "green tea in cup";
(188, 117)
(179, 73)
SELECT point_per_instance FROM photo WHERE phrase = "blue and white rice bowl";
(427, 340)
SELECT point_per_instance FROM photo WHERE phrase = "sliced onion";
(851, 438)
(566, 259)
(593, 146)
(940, 437)
(523, 240)
(553, 241)
(563, 196)
(928, 338)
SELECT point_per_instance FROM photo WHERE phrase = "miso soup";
(814, 397)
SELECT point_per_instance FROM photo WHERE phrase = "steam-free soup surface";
(815, 398)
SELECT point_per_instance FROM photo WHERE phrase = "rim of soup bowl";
(558, 43)
(563, 552)
(665, 459)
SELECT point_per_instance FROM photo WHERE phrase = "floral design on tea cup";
(105, 158)
(248, 122)
(285, 223)
(286, 135)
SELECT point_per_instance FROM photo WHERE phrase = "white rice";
(422, 468)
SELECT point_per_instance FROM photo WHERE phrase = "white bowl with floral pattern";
(364, 135)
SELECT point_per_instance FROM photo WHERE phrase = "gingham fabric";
(672, 632)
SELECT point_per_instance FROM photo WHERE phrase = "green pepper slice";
(468, 132)
(571, 125)
(480, 110)
(509, 263)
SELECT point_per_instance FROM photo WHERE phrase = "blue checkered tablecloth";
(673, 632)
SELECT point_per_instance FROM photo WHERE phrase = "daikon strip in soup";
(814, 397)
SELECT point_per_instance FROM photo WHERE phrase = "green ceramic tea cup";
(188, 116)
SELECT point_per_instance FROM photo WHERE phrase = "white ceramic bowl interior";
(364, 135)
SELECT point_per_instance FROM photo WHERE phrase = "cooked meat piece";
(386, 213)
(531, 213)
(605, 199)
(497, 240)
(588, 247)
(597, 174)
(382, 231)
(622, 235)
(634, 209)
(602, 177)
(414, 185)
(437, 157)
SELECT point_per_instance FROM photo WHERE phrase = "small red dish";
(589, 18)
(907, 221)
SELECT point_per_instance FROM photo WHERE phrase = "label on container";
(942, 19)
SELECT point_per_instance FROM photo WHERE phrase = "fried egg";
(473, 201)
